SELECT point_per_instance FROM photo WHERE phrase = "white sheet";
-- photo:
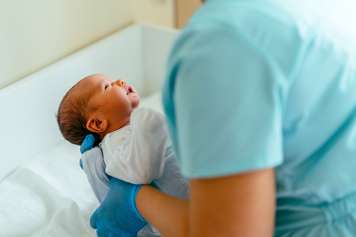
(50, 197)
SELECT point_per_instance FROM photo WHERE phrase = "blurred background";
(36, 33)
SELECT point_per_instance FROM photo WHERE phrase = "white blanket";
(50, 197)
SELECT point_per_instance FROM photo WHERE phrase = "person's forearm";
(168, 214)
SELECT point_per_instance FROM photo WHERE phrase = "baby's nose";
(120, 83)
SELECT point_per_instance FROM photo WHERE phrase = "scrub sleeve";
(227, 108)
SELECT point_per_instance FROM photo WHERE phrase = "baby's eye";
(106, 86)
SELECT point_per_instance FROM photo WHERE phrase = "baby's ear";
(96, 124)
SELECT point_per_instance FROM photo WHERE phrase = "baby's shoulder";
(146, 120)
(116, 141)
(146, 115)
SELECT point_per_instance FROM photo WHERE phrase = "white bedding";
(50, 197)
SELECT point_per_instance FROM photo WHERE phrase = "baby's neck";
(115, 126)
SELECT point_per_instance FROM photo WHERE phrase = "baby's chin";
(135, 102)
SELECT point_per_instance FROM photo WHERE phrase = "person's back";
(310, 75)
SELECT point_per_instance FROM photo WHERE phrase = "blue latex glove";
(117, 215)
(88, 143)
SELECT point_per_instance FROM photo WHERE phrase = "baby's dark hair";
(72, 116)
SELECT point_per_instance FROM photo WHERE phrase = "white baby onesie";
(141, 152)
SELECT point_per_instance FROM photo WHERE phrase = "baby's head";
(97, 105)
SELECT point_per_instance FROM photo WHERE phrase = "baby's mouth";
(129, 90)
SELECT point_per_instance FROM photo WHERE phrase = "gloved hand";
(92, 163)
(117, 215)
(87, 144)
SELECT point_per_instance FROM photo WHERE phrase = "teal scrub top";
(253, 85)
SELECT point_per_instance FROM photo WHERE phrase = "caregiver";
(261, 105)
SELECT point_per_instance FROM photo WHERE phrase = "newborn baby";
(134, 145)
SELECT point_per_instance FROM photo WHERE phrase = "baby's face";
(115, 100)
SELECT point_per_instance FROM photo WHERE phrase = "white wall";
(35, 33)
(157, 12)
